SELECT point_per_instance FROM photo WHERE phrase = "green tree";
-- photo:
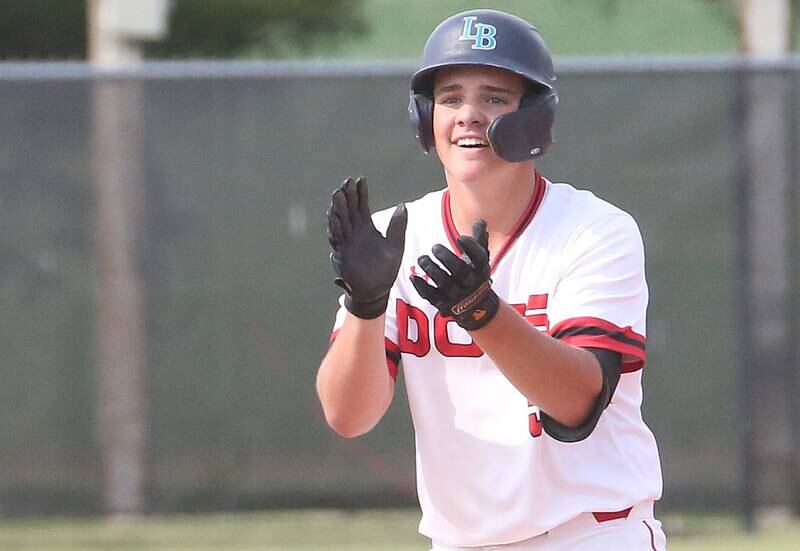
(56, 29)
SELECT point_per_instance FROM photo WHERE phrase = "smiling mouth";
(471, 143)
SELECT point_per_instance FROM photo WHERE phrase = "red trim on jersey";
(612, 515)
(539, 187)
(447, 220)
(652, 536)
(392, 354)
(588, 332)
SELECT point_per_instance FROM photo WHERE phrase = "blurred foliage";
(570, 27)
(42, 29)
(56, 29)
(227, 28)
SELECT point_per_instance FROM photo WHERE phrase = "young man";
(516, 308)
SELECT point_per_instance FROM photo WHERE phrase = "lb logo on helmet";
(482, 34)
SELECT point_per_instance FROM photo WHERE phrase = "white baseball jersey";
(486, 471)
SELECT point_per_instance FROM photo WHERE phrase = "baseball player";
(515, 307)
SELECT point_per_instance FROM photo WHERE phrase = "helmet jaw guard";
(525, 134)
(495, 39)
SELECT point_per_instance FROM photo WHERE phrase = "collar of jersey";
(539, 187)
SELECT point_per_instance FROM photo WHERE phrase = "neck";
(500, 200)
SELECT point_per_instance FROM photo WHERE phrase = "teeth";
(470, 142)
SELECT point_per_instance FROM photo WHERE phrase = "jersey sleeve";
(381, 221)
(600, 299)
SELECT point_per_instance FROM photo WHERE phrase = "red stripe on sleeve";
(392, 357)
(632, 358)
(589, 332)
(390, 346)
(600, 324)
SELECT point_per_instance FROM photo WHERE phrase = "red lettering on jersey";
(535, 302)
(538, 302)
(539, 319)
(441, 339)
(405, 315)
(535, 423)
(421, 346)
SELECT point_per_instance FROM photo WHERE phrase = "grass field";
(326, 530)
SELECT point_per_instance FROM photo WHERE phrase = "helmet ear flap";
(420, 111)
(525, 134)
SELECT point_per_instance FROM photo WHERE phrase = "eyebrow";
(484, 87)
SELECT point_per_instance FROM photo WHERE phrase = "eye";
(449, 100)
(497, 100)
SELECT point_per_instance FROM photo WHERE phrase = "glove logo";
(482, 34)
(478, 314)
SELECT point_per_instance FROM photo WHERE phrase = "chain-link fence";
(236, 163)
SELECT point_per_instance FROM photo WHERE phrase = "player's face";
(466, 101)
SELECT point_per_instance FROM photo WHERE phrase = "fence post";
(794, 316)
(114, 30)
(763, 294)
(765, 185)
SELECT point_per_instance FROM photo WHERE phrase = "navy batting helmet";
(495, 39)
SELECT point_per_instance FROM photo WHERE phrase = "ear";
(420, 111)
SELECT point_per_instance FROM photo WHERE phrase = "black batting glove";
(465, 293)
(365, 262)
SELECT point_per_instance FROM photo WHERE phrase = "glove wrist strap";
(481, 308)
(366, 310)
(473, 299)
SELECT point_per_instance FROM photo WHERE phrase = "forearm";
(353, 382)
(564, 381)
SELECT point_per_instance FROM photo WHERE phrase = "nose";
(469, 114)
